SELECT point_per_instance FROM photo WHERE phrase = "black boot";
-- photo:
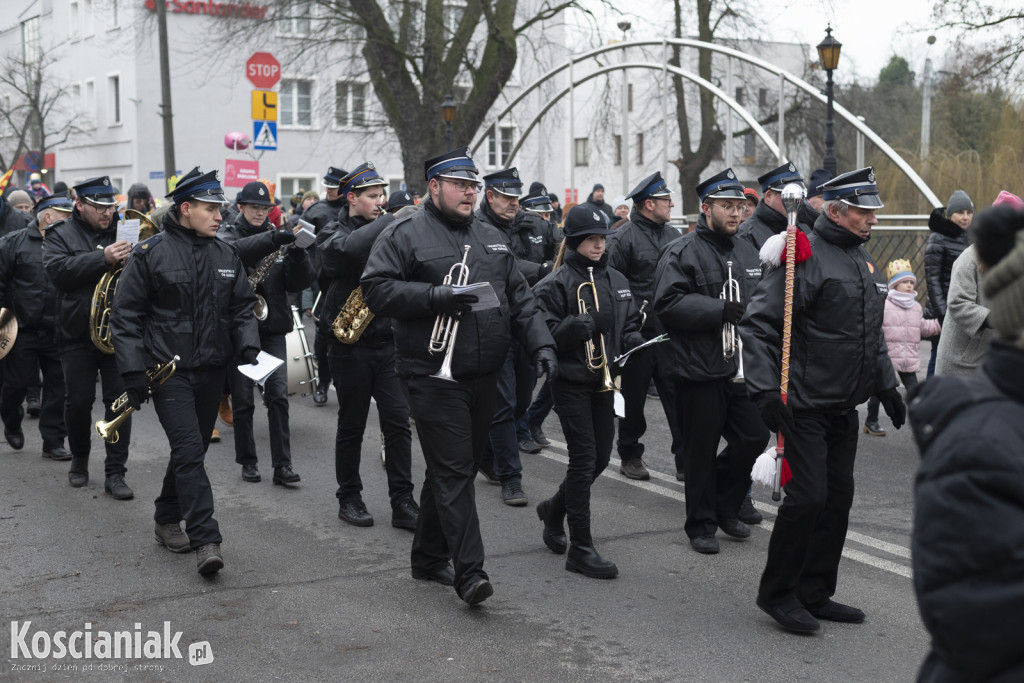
(583, 557)
(78, 476)
(552, 512)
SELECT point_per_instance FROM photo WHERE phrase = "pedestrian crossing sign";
(264, 135)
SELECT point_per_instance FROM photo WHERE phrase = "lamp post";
(624, 144)
(828, 57)
(448, 114)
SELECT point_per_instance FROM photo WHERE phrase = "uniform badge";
(730, 175)
(515, 173)
(871, 176)
(792, 168)
(467, 154)
(106, 181)
(261, 192)
(369, 165)
(871, 266)
(597, 219)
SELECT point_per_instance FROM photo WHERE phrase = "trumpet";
(732, 345)
(597, 356)
(446, 327)
(157, 376)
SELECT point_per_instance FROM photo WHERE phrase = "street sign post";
(264, 135)
(264, 105)
(263, 70)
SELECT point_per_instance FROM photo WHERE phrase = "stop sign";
(263, 70)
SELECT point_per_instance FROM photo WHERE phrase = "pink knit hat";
(1009, 199)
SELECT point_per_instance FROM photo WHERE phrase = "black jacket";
(633, 250)
(766, 222)
(291, 273)
(687, 300)
(537, 236)
(947, 241)
(24, 285)
(11, 219)
(414, 254)
(969, 520)
(323, 212)
(185, 295)
(517, 237)
(343, 257)
(556, 295)
(838, 356)
(73, 259)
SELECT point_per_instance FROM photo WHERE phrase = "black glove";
(603, 321)
(732, 312)
(136, 388)
(544, 269)
(583, 327)
(894, 407)
(282, 237)
(444, 300)
(250, 355)
(545, 362)
(776, 415)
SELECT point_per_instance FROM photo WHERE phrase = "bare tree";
(35, 119)
(993, 25)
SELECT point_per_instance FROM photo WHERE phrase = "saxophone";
(259, 274)
(353, 319)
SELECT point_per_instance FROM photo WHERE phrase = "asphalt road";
(305, 597)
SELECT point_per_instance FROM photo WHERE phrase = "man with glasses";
(633, 250)
(76, 253)
(691, 276)
(403, 280)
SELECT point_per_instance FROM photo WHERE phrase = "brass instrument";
(446, 327)
(597, 356)
(260, 274)
(157, 376)
(353, 319)
(103, 293)
(732, 345)
(8, 331)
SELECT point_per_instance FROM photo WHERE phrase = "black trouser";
(909, 380)
(716, 486)
(187, 407)
(362, 372)
(275, 395)
(35, 349)
(81, 363)
(636, 380)
(588, 423)
(515, 390)
(322, 342)
(807, 541)
(452, 420)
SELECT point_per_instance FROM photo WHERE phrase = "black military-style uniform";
(633, 250)
(185, 295)
(766, 222)
(364, 369)
(452, 418)
(25, 287)
(838, 360)
(517, 235)
(291, 273)
(73, 260)
(323, 212)
(587, 415)
(688, 303)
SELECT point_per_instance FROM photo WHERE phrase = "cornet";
(446, 327)
(157, 376)
(597, 358)
(732, 345)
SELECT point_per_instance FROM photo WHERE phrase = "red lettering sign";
(238, 172)
(217, 9)
(263, 70)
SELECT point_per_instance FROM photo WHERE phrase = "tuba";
(157, 376)
(353, 319)
(732, 345)
(103, 293)
(446, 327)
(597, 357)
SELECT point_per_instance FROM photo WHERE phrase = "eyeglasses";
(102, 208)
(731, 207)
(462, 185)
(258, 208)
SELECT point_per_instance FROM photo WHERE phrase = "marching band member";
(703, 359)
(184, 293)
(76, 254)
(365, 368)
(582, 400)
(404, 280)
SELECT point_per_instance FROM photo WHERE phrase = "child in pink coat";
(903, 326)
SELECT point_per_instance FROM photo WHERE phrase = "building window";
(618, 150)
(114, 100)
(76, 20)
(451, 16)
(90, 103)
(581, 151)
(295, 102)
(87, 18)
(113, 13)
(498, 148)
(291, 185)
(749, 151)
(629, 97)
(739, 96)
(762, 97)
(31, 40)
(640, 149)
(294, 19)
(349, 103)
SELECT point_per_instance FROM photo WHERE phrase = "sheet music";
(265, 365)
(621, 360)
(129, 231)
(486, 298)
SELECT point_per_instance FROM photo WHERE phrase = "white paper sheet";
(486, 298)
(265, 365)
(128, 231)
(621, 360)
(304, 237)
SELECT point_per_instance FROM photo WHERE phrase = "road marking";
(849, 553)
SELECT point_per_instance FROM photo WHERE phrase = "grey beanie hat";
(1003, 286)
(959, 201)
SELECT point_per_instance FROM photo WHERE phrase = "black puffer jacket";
(633, 250)
(413, 255)
(343, 257)
(73, 260)
(556, 295)
(969, 520)
(323, 212)
(538, 236)
(24, 284)
(766, 222)
(947, 241)
(11, 219)
(839, 358)
(185, 295)
(291, 273)
(517, 237)
(688, 287)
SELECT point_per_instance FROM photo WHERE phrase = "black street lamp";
(448, 114)
(828, 57)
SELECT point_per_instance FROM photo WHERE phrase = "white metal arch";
(783, 75)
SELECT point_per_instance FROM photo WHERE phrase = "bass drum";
(301, 362)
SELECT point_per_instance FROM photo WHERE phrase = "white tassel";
(764, 468)
(771, 250)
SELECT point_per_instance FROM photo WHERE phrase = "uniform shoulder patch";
(147, 244)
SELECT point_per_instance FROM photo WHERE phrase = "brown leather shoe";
(215, 437)
(224, 411)
(171, 537)
(208, 559)
(634, 469)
